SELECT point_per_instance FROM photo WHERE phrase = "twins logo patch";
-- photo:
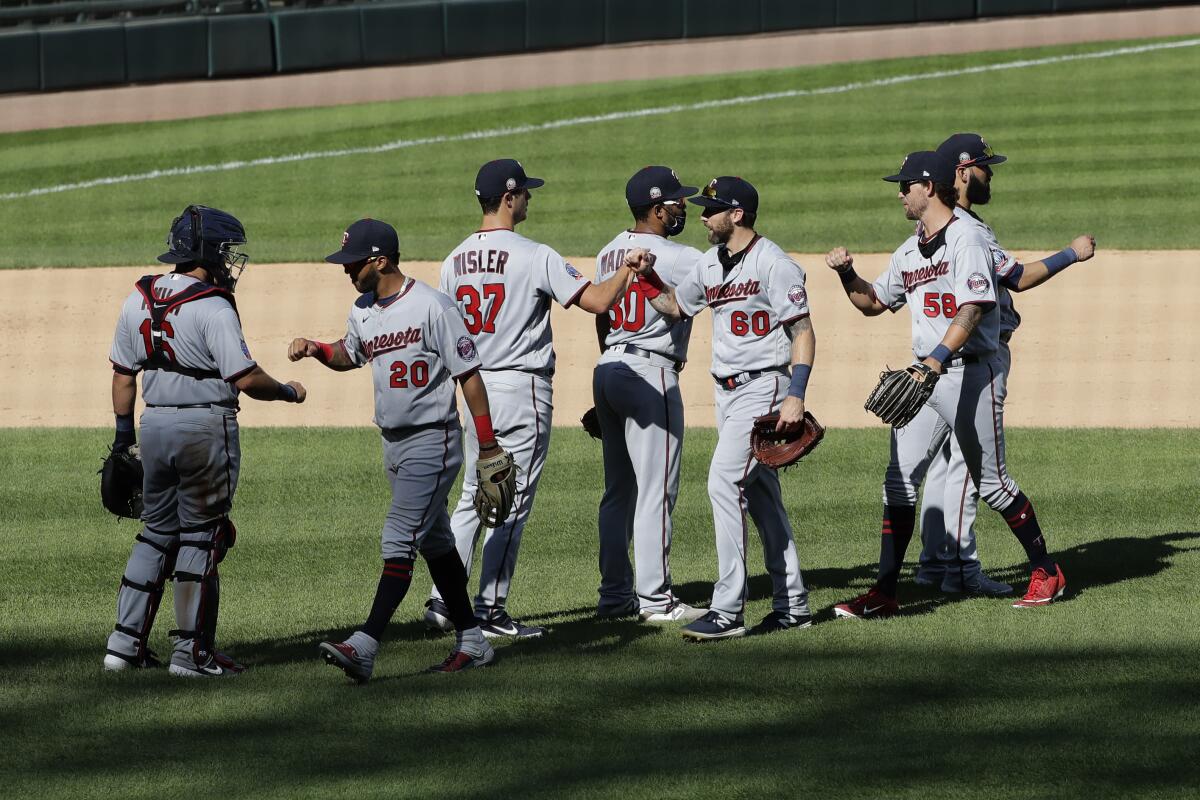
(574, 273)
(999, 258)
(797, 295)
(466, 349)
(978, 283)
(245, 349)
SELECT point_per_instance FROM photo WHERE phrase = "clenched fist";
(1084, 246)
(839, 259)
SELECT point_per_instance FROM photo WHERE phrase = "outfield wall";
(1093, 350)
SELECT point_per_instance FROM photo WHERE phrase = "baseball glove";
(591, 423)
(776, 449)
(901, 393)
(121, 482)
(497, 490)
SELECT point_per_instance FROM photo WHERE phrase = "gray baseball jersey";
(503, 284)
(1008, 271)
(751, 304)
(959, 271)
(204, 334)
(416, 345)
(633, 320)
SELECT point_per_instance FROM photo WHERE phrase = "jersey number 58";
(936, 305)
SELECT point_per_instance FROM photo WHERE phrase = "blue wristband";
(286, 393)
(800, 373)
(941, 354)
(125, 437)
(1060, 260)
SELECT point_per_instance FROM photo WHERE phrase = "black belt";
(634, 350)
(742, 378)
(233, 406)
(548, 372)
(396, 434)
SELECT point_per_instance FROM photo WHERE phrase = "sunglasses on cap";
(710, 192)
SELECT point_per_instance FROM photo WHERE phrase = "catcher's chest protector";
(158, 356)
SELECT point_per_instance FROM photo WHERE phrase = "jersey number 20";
(405, 375)
(477, 318)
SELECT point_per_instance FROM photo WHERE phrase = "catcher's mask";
(210, 238)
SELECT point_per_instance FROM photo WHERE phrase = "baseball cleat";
(437, 616)
(343, 656)
(872, 605)
(930, 575)
(459, 660)
(118, 662)
(781, 621)
(680, 612)
(974, 582)
(713, 626)
(1044, 588)
(629, 609)
(219, 666)
(499, 623)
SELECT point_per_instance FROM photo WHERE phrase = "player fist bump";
(303, 348)
(640, 260)
(839, 259)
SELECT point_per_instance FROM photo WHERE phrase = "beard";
(978, 192)
(719, 234)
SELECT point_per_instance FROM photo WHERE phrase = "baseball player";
(182, 331)
(640, 410)
(763, 349)
(949, 557)
(504, 284)
(947, 277)
(415, 342)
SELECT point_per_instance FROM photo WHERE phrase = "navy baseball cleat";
(713, 626)
(930, 575)
(498, 623)
(437, 616)
(781, 621)
(973, 582)
(460, 660)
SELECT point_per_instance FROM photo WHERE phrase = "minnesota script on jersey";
(751, 304)
(958, 272)
(204, 334)
(416, 345)
(503, 284)
(633, 320)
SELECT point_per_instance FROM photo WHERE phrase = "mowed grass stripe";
(1095, 696)
(1074, 132)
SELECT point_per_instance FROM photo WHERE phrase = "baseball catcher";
(121, 482)
(776, 448)
(900, 394)
(497, 487)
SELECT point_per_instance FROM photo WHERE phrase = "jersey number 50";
(936, 305)
(630, 313)
(405, 375)
(477, 318)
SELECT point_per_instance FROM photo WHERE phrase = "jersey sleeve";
(888, 288)
(225, 340)
(559, 279)
(689, 291)
(122, 354)
(352, 343)
(453, 344)
(974, 276)
(1008, 269)
(785, 288)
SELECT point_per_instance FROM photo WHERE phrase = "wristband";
(800, 373)
(847, 276)
(286, 393)
(1060, 260)
(941, 354)
(125, 436)
(483, 429)
(652, 278)
(649, 290)
(326, 352)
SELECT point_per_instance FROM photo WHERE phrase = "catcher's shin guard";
(197, 595)
(150, 562)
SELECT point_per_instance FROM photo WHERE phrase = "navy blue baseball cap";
(650, 185)
(728, 192)
(969, 150)
(365, 239)
(925, 165)
(503, 175)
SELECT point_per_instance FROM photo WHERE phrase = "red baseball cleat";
(1044, 588)
(872, 605)
(458, 661)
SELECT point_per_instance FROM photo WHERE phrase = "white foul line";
(491, 133)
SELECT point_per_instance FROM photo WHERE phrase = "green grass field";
(1099, 145)
(1097, 696)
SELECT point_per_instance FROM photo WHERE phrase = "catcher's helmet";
(210, 238)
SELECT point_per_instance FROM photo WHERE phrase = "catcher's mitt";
(777, 449)
(497, 488)
(121, 482)
(591, 423)
(901, 393)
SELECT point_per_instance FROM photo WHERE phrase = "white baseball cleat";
(680, 612)
(437, 616)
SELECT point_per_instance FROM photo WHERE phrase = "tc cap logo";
(964, 156)
(510, 184)
(655, 192)
(345, 237)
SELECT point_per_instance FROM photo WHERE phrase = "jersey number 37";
(479, 312)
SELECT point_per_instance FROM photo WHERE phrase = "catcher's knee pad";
(150, 562)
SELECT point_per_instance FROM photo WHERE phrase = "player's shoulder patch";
(978, 283)
(246, 350)
(574, 273)
(466, 349)
(797, 295)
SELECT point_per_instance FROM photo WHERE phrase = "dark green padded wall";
(783, 15)
(945, 9)
(876, 12)
(397, 32)
(721, 17)
(317, 38)
(484, 27)
(996, 8)
(240, 44)
(166, 49)
(84, 55)
(634, 20)
(555, 23)
(19, 67)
